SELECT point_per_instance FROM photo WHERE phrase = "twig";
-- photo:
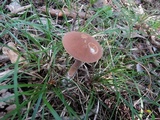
(96, 113)
(64, 109)
(64, 11)
(2, 74)
(20, 9)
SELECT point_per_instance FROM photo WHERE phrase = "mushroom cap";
(82, 46)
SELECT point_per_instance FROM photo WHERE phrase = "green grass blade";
(37, 106)
(15, 82)
(53, 112)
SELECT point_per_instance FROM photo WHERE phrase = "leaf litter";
(10, 51)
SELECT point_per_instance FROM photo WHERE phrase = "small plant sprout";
(83, 47)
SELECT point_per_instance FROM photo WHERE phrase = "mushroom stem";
(74, 68)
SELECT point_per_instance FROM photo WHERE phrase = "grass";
(123, 84)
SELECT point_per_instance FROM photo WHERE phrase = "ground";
(123, 85)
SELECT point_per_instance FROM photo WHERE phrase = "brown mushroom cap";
(82, 46)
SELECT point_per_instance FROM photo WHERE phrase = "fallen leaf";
(139, 68)
(2, 104)
(99, 3)
(4, 95)
(3, 91)
(7, 95)
(11, 107)
(12, 54)
(15, 7)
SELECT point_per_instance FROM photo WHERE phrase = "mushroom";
(83, 47)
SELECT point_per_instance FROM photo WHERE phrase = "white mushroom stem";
(74, 68)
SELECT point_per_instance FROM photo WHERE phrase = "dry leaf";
(139, 68)
(13, 56)
(3, 91)
(4, 95)
(99, 3)
(11, 107)
(15, 7)
(2, 104)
